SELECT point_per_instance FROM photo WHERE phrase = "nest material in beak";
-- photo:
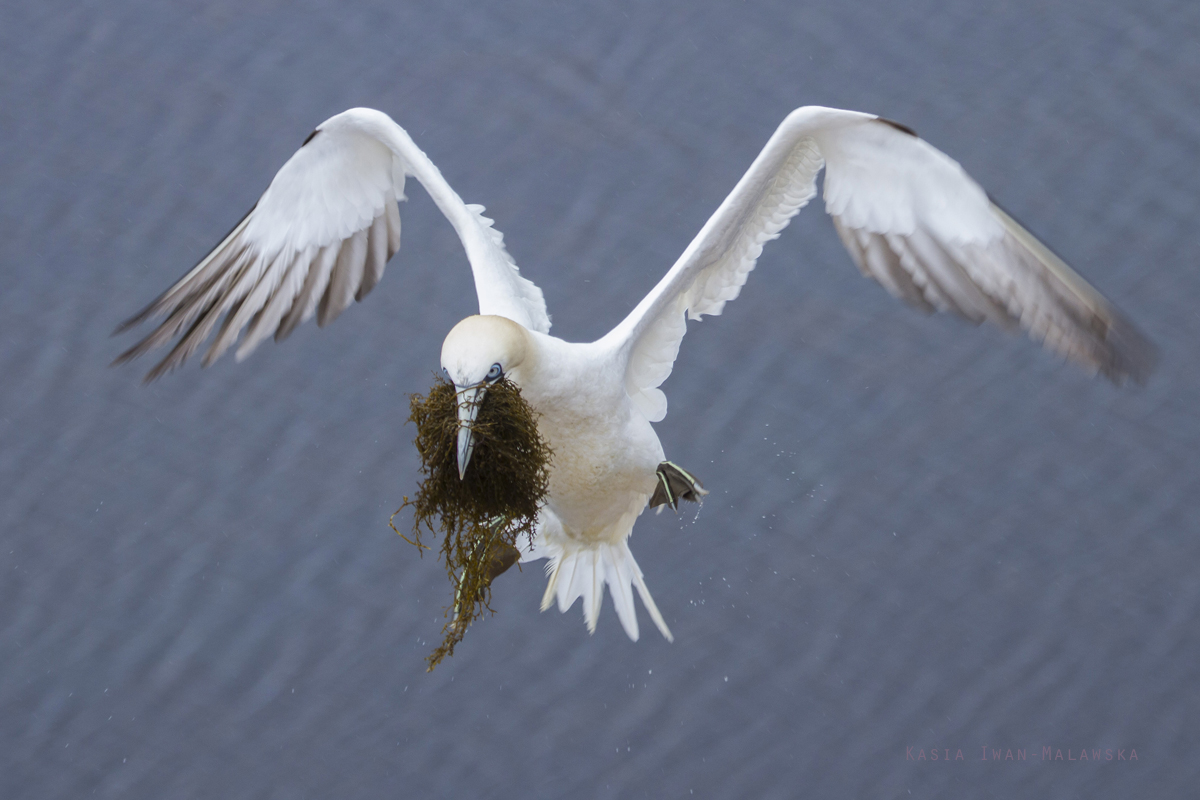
(481, 515)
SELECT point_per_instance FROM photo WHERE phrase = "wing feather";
(319, 239)
(715, 266)
(911, 219)
(267, 321)
(345, 280)
(315, 283)
(377, 257)
(249, 302)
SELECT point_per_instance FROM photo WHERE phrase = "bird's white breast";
(604, 450)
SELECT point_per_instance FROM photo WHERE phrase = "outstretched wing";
(320, 237)
(911, 218)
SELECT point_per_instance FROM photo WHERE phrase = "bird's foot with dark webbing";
(675, 484)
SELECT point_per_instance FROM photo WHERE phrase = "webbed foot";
(675, 484)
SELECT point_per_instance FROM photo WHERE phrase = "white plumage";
(911, 218)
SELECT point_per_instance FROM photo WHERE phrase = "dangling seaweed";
(481, 515)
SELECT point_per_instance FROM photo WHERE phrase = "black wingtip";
(898, 126)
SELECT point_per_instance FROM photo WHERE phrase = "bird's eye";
(495, 373)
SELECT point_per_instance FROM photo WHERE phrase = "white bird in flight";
(911, 218)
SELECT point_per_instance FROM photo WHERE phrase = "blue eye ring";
(495, 373)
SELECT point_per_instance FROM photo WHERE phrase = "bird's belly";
(601, 473)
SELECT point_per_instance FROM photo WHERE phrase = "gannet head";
(477, 352)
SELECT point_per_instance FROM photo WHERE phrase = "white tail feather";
(647, 600)
(584, 573)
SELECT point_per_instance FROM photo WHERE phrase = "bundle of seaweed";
(481, 515)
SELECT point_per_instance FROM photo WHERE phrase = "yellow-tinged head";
(479, 346)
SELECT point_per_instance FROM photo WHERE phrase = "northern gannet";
(911, 217)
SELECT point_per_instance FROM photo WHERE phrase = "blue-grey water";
(920, 534)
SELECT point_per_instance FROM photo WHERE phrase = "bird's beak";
(469, 401)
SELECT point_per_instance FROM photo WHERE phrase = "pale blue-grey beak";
(469, 401)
